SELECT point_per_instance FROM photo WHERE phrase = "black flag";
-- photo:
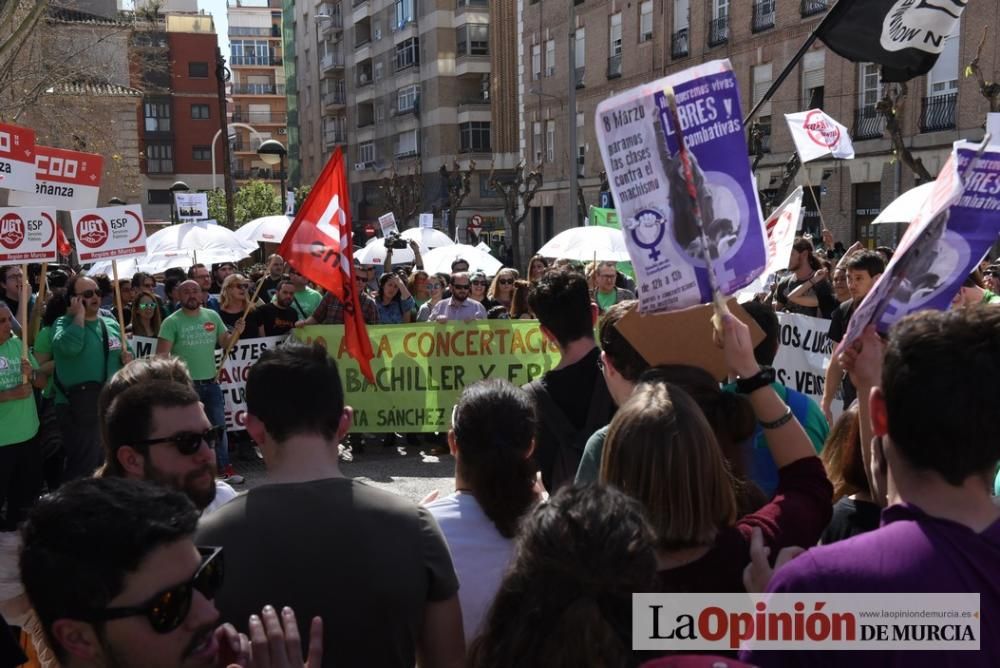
(905, 37)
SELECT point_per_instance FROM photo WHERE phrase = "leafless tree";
(403, 194)
(517, 194)
(456, 184)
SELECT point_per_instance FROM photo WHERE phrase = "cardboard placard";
(64, 180)
(27, 235)
(113, 232)
(17, 158)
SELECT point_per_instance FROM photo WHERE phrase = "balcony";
(364, 79)
(580, 72)
(763, 16)
(718, 31)
(258, 89)
(332, 61)
(812, 7)
(240, 31)
(615, 66)
(333, 137)
(868, 123)
(938, 112)
(679, 44)
(260, 117)
(358, 3)
(362, 40)
(241, 146)
(256, 61)
(334, 98)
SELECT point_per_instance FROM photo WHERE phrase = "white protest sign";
(387, 223)
(667, 241)
(65, 180)
(427, 220)
(143, 346)
(289, 203)
(27, 234)
(112, 232)
(816, 134)
(192, 206)
(804, 353)
(781, 226)
(17, 158)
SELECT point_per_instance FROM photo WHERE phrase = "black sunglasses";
(505, 281)
(478, 282)
(87, 294)
(459, 286)
(187, 443)
(169, 608)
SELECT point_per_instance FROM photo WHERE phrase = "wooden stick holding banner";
(718, 300)
(812, 192)
(233, 339)
(22, 314)
(118, 298)
(36, 312)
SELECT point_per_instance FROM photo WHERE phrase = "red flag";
(62, 243)
(318, 245)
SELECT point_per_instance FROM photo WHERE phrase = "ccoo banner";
(65, 180)
(17, 158)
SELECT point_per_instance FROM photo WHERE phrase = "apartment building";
(175, 66)
(258, 108)
(619, 45)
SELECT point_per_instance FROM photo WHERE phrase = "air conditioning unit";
(359, 166)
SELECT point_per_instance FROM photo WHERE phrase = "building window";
(581, 54)
(581, 158)
(406, 98)
(536, 62)
(550, 57)
(157, 116)
(366, 152)
(404, 13)
(198, 70)
(550, 141)
(813, 69)
(379, 113)
(473, 39)
(943, 77)
(377, 69)
(646, 21)
(537, 141)
(615, 35)
(868, 89)
(761, 82)
(475, 137)
(201, 153)
(408, 53)
(159, 158)
(406, 143)
(199, 111)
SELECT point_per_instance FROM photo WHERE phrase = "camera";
(396, 242)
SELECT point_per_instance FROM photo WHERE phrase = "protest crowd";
(710, 416)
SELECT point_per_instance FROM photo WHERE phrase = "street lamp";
(273, 153)
(116, 201)
(177, 187)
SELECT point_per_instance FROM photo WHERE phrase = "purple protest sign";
(955, 229)
(640, 152)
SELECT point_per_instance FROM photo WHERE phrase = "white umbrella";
(906, 207)
(203, 239)
(427, 237)
(585, 244)
(269, 229)
(440, 259)
(374, 253)
(155, 263)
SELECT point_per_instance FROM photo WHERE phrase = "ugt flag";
(318, 244)
(815, 135)
(905, 37)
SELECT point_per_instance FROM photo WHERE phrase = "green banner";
(421, 368)
(609, 218)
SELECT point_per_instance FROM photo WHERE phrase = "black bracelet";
(780, 422)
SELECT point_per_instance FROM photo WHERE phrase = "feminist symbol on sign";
(648, 218)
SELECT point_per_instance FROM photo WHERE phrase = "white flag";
(815, 135)
(781, 226)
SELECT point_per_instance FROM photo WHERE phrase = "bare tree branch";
(891, 107)
(988, 89)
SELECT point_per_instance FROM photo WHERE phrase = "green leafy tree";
(300, 195)
(256, 199)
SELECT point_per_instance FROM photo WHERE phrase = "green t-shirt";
(589, 469)
(193, 339)
(79, 352)
(305, 302)
(990, 297)
(606, 301)
(18, 416)
(43, 346)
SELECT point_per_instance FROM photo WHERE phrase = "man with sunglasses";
(157, 430)
(192, 334)
(304, 299)
(459, 306)
(116, 581)
(88, 348)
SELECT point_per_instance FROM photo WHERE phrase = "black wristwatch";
(762, 378)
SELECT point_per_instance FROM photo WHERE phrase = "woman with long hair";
(502, 289)
(491, 438)
(417, 285)
(437, 287)
(566, 600)
(478, 285)
(519, 307)
(662, 451)
(854, 508)
(147, 315)
(233, 302)
(537, 266)
(394, 301)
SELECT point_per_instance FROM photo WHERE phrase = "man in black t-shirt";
(278, 317)
(275, 272)
(806, 290)
(572, 400)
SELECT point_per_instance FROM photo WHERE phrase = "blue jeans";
(215, 409)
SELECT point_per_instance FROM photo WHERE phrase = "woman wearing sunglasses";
(502, 289)
(478, 285)
(147, 314)
(437, 288)
(233, 300)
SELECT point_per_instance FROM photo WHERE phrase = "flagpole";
(812, 192)
(792, 63)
